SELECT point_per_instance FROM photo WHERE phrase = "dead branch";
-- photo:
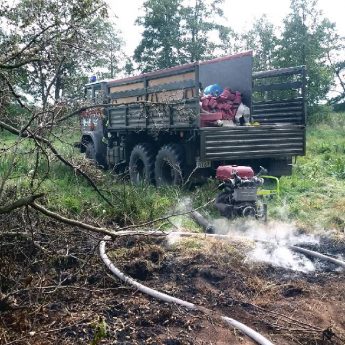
(73, 222)
(119, 231)
(99, 230)
(26, 201)
(33, 39)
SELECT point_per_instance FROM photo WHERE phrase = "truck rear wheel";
(169, 165)
(141, 164)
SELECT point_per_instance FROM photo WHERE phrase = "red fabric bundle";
(226, 103)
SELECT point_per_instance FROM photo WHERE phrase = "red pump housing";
(226, 172)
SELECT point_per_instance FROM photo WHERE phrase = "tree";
(176, 33)
(263, 40)
(67, 39)
(107, 48)
(199, 21)
(161, 43)
(303, 43)
(44, 50)
(335, 46)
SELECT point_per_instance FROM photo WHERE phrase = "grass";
(68, 193)
(314, 195)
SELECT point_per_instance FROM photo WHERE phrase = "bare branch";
(29, 134)
(100, 230)
(33, 39)
(29, 200)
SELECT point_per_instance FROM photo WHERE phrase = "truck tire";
(141, 164)
(90, 152)
(169, 165)
(97, 158)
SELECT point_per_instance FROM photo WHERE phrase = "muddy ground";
(56, 290)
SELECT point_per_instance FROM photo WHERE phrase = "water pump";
(239, 192)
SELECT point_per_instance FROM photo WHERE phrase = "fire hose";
(210, 229)
(170, 299)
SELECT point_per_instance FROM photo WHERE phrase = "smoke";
(270, 239)
(184, 205)
(271, 242)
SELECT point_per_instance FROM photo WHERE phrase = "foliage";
(161, 43)
(198, 21)
(304, 41)
(176, 33)
(100, 331)
(314, 195)
(55, 43)
(262, 39)
(339, 70)
(68, 193)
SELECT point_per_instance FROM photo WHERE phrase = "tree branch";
(20, 64)
(30, 135)
(26, 201)
(99, 230)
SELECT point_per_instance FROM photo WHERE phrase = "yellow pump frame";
(269, 192)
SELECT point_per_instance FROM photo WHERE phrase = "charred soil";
(56, 290)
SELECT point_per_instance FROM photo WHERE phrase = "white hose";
(309, 252)
(170, 299)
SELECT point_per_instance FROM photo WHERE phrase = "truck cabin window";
(98, 96)
(88, 93)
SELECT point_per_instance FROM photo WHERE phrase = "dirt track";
(286, 307)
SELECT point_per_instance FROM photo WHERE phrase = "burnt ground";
(56, 290)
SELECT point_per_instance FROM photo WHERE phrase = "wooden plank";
(129, 93)
(167, 96)
(126, 100)
(171, 79)
(178, 85)
(127, 87)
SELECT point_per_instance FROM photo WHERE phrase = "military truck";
(153, 124)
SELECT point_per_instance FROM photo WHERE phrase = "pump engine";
(239, 192)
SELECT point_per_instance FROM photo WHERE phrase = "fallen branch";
(166, 217)
(26, 201)
(100, 230)
(119, 231)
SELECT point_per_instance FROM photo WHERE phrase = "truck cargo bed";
(232, 143)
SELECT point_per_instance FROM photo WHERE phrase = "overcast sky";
(240, 15)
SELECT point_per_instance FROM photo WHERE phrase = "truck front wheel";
(90, 152)
(169, 165)
(141, 164)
